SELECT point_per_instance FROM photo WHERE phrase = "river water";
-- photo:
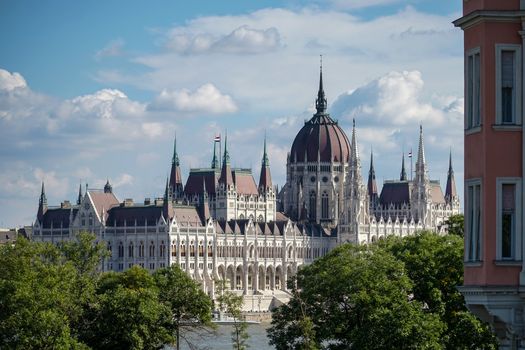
(222, 339)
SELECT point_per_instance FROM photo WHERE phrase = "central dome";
(320, 137)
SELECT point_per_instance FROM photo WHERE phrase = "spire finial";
(43, 194)
(175, 159)
(450, 170)
(265, 161)
(403, 176)
(214, 161)
(226, 158)
(320, 102)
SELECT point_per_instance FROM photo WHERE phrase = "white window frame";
(474, 122)
(473, 183)
(517, 253)
(517, 120)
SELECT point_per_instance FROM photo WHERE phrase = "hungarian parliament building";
(222, 224)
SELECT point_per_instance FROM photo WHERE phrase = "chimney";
(65, 205)
(147, 201)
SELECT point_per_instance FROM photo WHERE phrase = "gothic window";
(183, 249)
(324, 205)
(110, 250)
(141, 249)
(260, 218)
(120, 250)
(151, 249)
(210, 250)
(130, 250)
(201, 249)
(313, 205)
(162, 251)
(192, 249)
(174, 249)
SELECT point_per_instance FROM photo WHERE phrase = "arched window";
(313, 205)
(130, 250)
(210, 249)
(183, 249)
(260, 218)
(110, 250)
(174, 249)
(201, 249)
(151, 249)
(162, 251)
(192, 249)
(241, 217)
(120, 250)
(141, 249)
(324, 205)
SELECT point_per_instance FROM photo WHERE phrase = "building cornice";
(488, 15)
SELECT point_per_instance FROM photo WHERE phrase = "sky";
(91, 91)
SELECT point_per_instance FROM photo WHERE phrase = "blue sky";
(96, 90)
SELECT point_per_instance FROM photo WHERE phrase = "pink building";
(494, 284)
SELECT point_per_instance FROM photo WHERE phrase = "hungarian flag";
(410, 154)
(217, 138)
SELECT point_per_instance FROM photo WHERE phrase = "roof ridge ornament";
(320, 102)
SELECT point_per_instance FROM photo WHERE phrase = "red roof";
(102, 200)
(321, 136)
(244, 182)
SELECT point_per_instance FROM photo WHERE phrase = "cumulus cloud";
(206, 99)
(394, 99)
(10, 81)
(356, 4)
(242, 40)
(112, 49)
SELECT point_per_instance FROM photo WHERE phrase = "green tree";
(190, 306)
(128, 313)
(85, 254)
(456, 225)
(357, 297)
(36, 297)
(231, 304)
(434, 263)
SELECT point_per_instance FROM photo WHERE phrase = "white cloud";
(11, 81)
(355, 4)
(122, 180)
(394, 99)
(206, 99)
(242, 40)
(112, 49)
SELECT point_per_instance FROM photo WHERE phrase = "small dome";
(320, 136)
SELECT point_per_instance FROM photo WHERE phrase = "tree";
(231, 304)
(36, 297)
(456, 225)
(357, 297)
(190, 307)
(128, 313)
(434, 263)
(85, 254)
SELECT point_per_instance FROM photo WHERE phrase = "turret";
(372, 185)
(42, 204)
(450, 191)
(175, 182)
(403, 176)
(204, 207)
(79, 198)
(215, 161)
(108, 188)
(226, 177)
(265, 180)
(167, 206)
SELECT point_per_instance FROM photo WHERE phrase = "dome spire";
(320, 102)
